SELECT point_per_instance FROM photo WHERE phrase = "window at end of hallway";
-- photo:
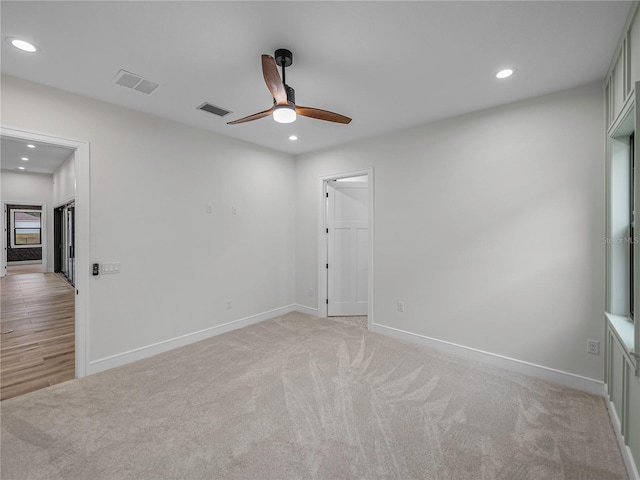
(26, 228)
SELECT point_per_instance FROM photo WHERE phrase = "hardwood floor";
(37, 340)
(21, 269)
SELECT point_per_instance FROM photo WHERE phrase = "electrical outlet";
(228, 304)
(311, 292)
(234, 210)
(593, 347)
(209, 208)
(400, 306)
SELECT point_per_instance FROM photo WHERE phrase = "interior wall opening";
(81, 219)
(345, 283)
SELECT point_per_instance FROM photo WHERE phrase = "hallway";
(37, 344)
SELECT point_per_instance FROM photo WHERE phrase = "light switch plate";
(110, 268)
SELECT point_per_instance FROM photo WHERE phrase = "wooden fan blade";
(255, 116)
(322, 114)
(272, 79)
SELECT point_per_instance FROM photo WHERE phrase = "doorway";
(347, 247)
(25, 229)
(345, 280)
(81, 216)
(64, 243)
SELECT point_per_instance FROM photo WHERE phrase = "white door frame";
(322, 238)
(3, 261)
(82, 239)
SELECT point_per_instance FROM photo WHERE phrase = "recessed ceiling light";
(23, 45)
(292, 137)
(506, 73)
(31, 146)
(21, 168)
(24, 159)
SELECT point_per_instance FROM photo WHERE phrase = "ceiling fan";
(284, 108)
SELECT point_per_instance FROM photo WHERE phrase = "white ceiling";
(43, 158)
(388, 65)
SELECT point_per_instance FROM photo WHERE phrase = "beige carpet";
(302, 398)
(354, 321)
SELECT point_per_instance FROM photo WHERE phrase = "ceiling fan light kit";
(284, 109)
(284, 114)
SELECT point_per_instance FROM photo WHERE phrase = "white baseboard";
(307, 310)
(571, 380)
(627, 456)
(124, 358)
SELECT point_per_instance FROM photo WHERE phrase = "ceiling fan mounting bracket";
(283, 57)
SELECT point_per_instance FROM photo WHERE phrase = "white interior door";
(348, 248)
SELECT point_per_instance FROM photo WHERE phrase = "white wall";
(31, 188)
(64, 182)
(26, 187)
(487, 226)
(151, 180)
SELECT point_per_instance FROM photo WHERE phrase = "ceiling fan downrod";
(284, 76)
(284, 58)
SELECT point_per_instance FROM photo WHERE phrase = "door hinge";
(327, 266)
(327, 194)
(327, 301)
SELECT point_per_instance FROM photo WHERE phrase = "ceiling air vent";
(207, 107)
(136, 82)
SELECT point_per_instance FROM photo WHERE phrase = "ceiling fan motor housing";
(291, 94)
